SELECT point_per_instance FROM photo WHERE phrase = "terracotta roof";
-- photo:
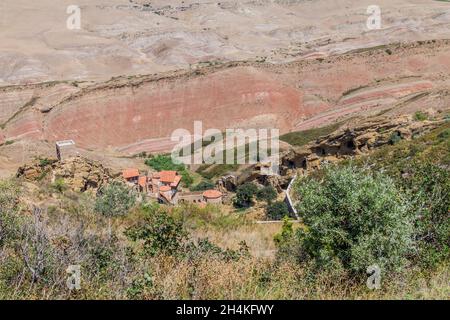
(168, 176)
(164, 188)
(176, 182)
(142, 181)
(130, 173)
(212, 194)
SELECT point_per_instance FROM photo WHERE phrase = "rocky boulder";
(79, 174)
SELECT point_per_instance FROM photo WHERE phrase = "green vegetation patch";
(164, 162)
(300, 138)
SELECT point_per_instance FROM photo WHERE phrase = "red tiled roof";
(176, 182)
(142, 181)
(168, 176)
(130, 173)
(212, 194)
(164, 188)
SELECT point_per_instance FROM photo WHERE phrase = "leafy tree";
(114, 199)
(267, 194)
(354, 219)
(159, 232)
(245, 194)
(277, 210)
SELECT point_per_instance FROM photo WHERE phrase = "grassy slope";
(301, 138)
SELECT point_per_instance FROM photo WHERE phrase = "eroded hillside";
(279, 70)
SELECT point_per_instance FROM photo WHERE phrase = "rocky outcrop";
(348, 141)
(352, 140)
(78, 174)
(227, 183)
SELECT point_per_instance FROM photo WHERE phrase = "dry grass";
(114, 268)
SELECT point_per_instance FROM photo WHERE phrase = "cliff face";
(133, 114)
(135, 118)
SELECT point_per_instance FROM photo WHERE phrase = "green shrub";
(354, 219)
(186, 178)
(301, 138)
(9, 220)
(444, 134)
(159, 232)
(267, 194)
(245, 194)
(420, 116)
(203, 248)
(59, 185)
(288, 246)
(114, 199)
(395, 138)
(286, 233)
(164, 162)
(429, 187)
(43, 162)
(139, 286)
(277, 210)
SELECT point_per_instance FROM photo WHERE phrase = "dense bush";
(277, 210)
(163, 162)
(160, 232)
(114, 199)
(420, 116)
(245, 194)
(203, 248)
(354, 219)
(267, 193)
(186, 178)
(59, 185)
(9, 193)
(429, 189)
(394, 138)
